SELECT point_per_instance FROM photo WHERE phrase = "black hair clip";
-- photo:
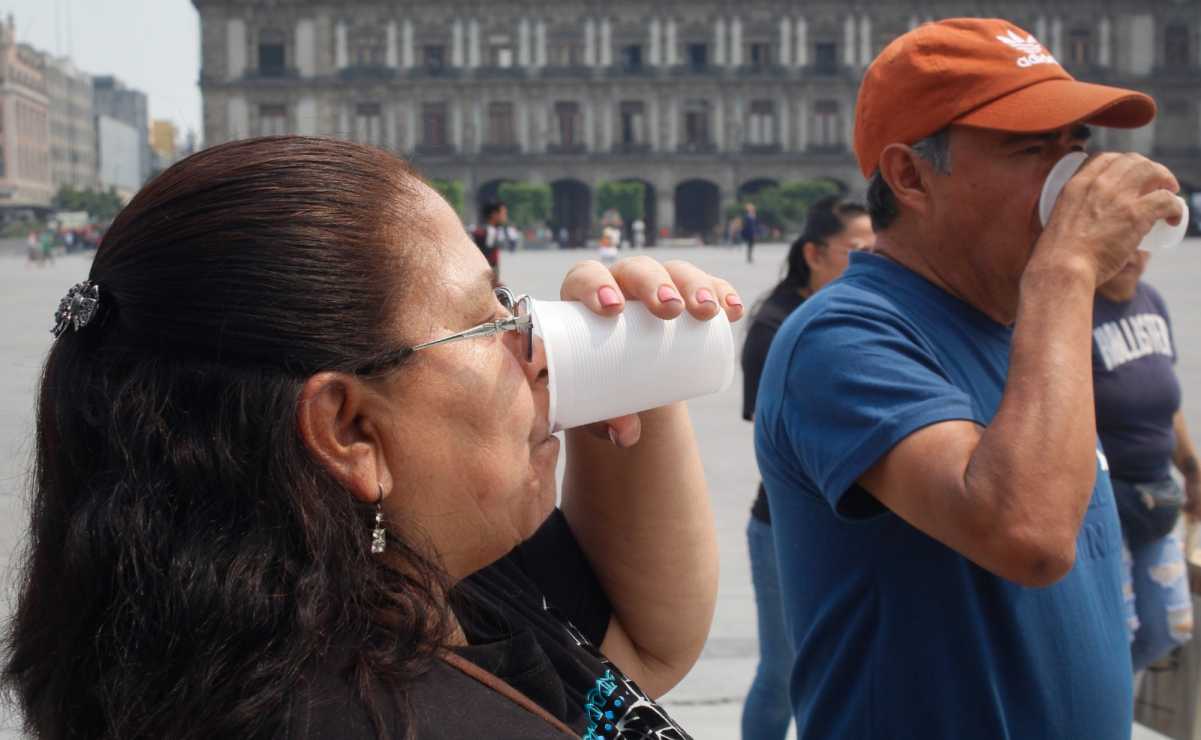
(77, 308)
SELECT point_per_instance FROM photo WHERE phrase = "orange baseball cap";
(979, 72)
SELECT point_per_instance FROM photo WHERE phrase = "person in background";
(750, 228)
(492, 234)
(1143, 433)
(833, 229)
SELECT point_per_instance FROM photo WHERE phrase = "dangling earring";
(378, 543)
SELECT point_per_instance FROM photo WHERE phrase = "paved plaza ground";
(709, 700)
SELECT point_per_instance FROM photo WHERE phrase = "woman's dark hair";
(189, 561)
(827, 218)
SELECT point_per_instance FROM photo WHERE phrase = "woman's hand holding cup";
(667, 290)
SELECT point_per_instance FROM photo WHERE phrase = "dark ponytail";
(826, 219)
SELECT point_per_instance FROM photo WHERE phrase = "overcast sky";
(151, 45)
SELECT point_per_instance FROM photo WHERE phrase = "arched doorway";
(571, 209)
(489, 192)
(650, 201)
(698, 209)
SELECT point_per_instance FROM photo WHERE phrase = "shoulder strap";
(499, 686)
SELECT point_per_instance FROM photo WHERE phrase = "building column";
(540, 43)
(473, 43)
(1057, 37)
(523, 126)
(1103, 41)
(408, 53)
(1040, 29)
(719, 124)
(393, 50)
(719, 42)
(654, 136)
(672, 52)
(848, 41)
(410, 134)
(341, 50)
(802, 125)
(606, 42)
(590, 42)
(306, 47)
(456, 43)
(736, 42)
(865, 40)
(665, 209)
(785, 59)
(523, 43)
(235, 49)
(654, 57)
(783, 132)
(802, 43)
(607, 116)
(456, 125)
(237, 118)
(673, 124)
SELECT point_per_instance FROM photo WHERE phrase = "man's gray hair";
(881, 203)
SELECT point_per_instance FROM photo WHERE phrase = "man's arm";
(1011, 497)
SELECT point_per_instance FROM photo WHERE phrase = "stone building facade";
(24, 125)
(701, 100)
(72, 125)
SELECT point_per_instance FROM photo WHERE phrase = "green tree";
(100, 205)
(452, 191)
(786, 205)
(627, 198)
(528, 202)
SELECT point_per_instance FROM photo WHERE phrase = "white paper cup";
(1162, 234)
(601, 367)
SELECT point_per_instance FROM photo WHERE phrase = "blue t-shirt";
(1134, 385)
(896, 635)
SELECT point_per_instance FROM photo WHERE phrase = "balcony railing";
(272, 73)
(631, 148)
(762, 70)
(762, 148)
(577, 148)
(367, 72)
(502, 150)
(697, 147)
(570, 71)
(434, 150)
(500, 73)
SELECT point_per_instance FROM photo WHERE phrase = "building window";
(633, 123)
(271, 54)
(825, 58)
(368, 124)
(631, 57)
(500, 125)
(433, 125)
(1176, 48)
(500, 52)
(761, 124)
(1080, 47)
(759, 54)
(273, 120)
(827, 126)
(696, 124)
(568, 126)
(698, 56)
(368, 46)
(433, 57)
(566, 53)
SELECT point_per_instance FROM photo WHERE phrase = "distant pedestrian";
(750, 225)
(491, 234)
(638, 228)
(47, 244)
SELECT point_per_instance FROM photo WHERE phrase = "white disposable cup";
(602, 367)
(1162, 234)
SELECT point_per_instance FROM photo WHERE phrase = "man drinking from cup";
(948, 545)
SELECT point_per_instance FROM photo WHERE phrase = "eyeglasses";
(520, 322)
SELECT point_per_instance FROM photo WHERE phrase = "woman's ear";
(813, 255)
(333, 422)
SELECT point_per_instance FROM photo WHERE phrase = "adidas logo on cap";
(1035, 54)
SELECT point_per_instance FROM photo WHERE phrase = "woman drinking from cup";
(294, 478)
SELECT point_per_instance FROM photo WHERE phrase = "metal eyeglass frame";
(520, 321)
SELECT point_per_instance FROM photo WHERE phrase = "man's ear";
(908, 176)
(334, 422)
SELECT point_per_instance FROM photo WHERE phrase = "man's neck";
(914, 260)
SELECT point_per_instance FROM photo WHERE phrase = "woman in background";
(833, 229)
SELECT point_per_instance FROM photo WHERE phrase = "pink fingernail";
(613, 437)
(608, 297)
(667, 294)
(733, 300)
(704, 296)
